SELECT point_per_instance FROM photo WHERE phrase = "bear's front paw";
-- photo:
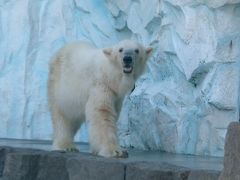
(72, 149)
(116, 153)
(121, 154)
(65, 148)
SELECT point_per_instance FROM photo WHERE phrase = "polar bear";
(87, 83)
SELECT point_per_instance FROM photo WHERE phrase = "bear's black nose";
(127, 59)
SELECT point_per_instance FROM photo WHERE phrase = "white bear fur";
(86, 83)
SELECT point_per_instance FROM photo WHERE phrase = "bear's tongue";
(127, 69)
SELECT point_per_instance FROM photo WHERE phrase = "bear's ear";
(107, 51)
(148, 50)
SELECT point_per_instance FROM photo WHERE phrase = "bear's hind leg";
(64, 131)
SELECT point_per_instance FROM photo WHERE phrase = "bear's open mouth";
(127, 69)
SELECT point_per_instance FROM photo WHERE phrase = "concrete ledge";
(30, 164)
(146, 171)
(231, 169)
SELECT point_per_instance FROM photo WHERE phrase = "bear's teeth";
(127, 69)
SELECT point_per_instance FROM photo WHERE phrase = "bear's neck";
(125, 85)
(119, 82)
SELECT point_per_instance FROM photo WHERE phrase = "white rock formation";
(184, 101)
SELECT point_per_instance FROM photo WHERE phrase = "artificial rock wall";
(184, 101)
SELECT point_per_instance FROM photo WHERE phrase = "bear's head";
(129, 56)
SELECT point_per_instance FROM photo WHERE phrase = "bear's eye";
(121, 50)
(136, 51)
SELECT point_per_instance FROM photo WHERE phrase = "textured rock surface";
(231, 169)
(203, 175)
(92, 168)
(145, 171)
(26, 164)
(184, 101)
